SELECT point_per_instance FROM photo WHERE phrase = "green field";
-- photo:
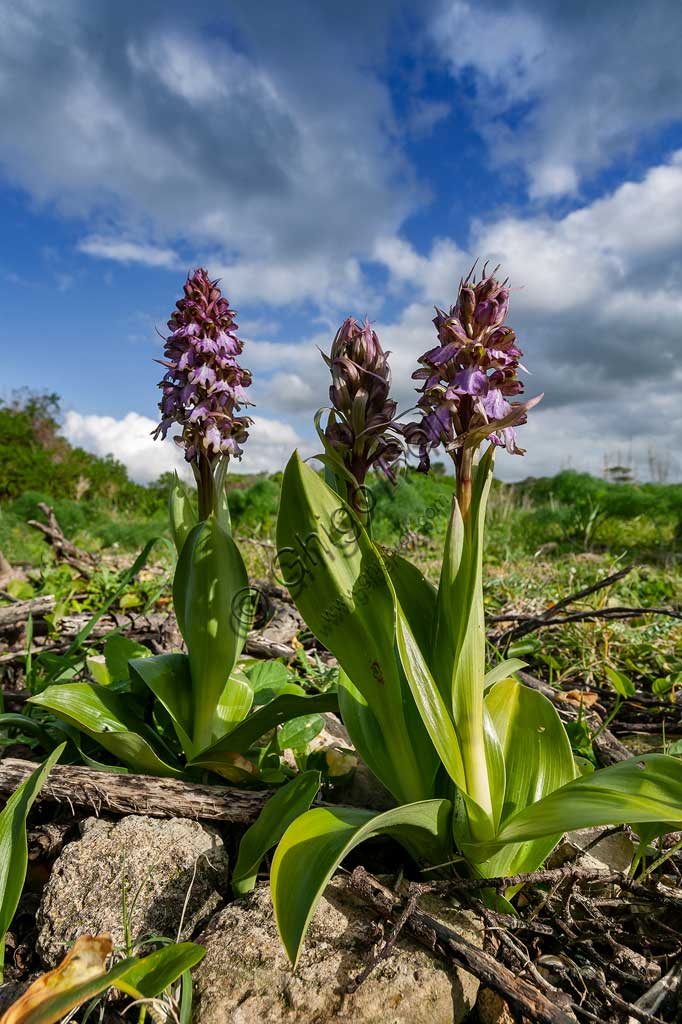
(547, 538)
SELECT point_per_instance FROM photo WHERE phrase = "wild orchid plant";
(479, 764)
(204, 696)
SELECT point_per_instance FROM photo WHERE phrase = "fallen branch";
(535, 622)
(65, 550)
(436, 936)
(118, 793)
(17, 614)
(578, 595)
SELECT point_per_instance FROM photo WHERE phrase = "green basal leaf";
(645, 789)
(431, 707)
(504, 670)
(181, 511)
(233, 706)
(278, 711)
(212, 601)
(279, 812)
(152, 975)
(168, 677)
(537, 759)
(118, 650)
(104, 716)
(417, 597)
(364, 728)
(315, 844)
(13, 845)
(340, 586)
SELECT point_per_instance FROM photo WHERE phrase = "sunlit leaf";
(281, 809)
(340, 586)
(211, 593)
(643, 789)
(278, 711)
(315, 844)
(168, 677)
(104, 716)
(81, 976)
(537, 758)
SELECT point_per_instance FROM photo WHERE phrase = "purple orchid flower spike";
(203, 388)
(470, 376)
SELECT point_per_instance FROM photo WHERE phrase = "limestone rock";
(245, 977)
(598, 848)
(160, 859)
(492, 1008)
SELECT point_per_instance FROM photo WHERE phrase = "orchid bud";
(361, 426)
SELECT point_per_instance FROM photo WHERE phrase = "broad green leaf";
(278, 711)
(73, 734)
(364, 728)
(645, 789)
(13, 845)
(537, 758)
(621, 683)
(104, 716)
(279, 812)
(504, 670)
(210, 592)
(233, 707)
(297, 733)
(118, 651)
(315, 844)
(433, 710)
(417, 597)
(181, 511)
(73, 982)
(269, 679)
(268, 675)
(168, 677)
(341, 588)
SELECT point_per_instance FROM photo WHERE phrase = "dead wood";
(65, 550)
(16, 614)
(118, 793)
(527, 998)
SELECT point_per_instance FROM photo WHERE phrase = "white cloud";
(166, 122)
(122, 251)
(565, 88)
(129, 440)
(596, 304)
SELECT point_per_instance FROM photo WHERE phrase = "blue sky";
(329, 159)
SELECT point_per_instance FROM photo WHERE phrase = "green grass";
(545, 539)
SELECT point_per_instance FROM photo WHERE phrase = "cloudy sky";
(328, 159)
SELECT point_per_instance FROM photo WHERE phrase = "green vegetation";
(546, 538)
